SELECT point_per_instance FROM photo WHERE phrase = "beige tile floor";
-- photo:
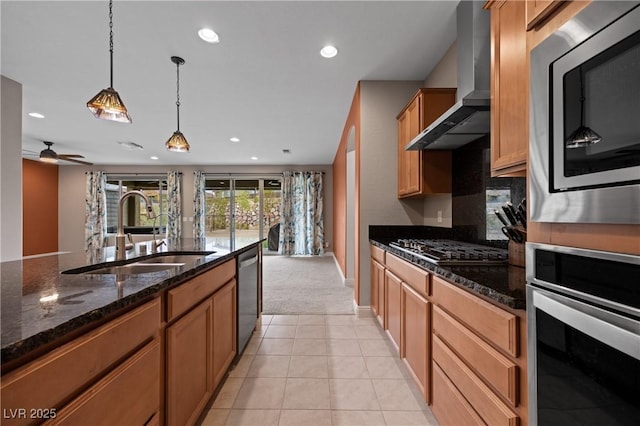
(315, 370)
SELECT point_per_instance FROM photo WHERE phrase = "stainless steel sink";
(174, 258)
(134, 268)
(155, 263)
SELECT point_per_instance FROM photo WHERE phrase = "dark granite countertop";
(502, 285)
(40, 305)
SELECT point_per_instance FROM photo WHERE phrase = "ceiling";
(264, 83)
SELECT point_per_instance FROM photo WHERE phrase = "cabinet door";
(224, 330)
(128, 395)
(393, 307)
(377, 290)
(403, 121)
(413, 167)
(189, 364)
(416, 337)
(509, 87)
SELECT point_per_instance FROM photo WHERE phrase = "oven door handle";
(615, 330)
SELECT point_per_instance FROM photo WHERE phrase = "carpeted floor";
(304, 285)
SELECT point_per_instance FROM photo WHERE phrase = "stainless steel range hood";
(469, 118)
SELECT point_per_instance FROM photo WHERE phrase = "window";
(135, 218)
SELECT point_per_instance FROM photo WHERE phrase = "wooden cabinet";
(509, 89)
(422, 173)
(377, 283)
(201, 342)
(393, 308)
(189, 364)
(55, 379)
(127, 395)
(224, 330)
(416, 338)
(539, 10)
(477, 347)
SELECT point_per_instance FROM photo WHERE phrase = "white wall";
(72, 190)
(11, 170)
(380, 103)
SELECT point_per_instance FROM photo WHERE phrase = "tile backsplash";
(475, 194)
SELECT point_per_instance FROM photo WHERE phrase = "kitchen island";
(72, 342)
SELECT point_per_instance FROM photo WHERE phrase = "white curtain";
(199, 205)
(174, 205)
(95, 211)
(302, 216)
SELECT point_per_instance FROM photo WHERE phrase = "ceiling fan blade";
(76, 161)
(70, 156)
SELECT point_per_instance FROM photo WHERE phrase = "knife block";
(516, 254)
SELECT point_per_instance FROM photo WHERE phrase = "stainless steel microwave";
(584, 150)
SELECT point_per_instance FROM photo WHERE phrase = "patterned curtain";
(174, 205)
(301, 220)
(95, 211)
(199, 205)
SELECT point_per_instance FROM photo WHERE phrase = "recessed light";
(254, 158)
(328, 51)
(153, 157)
(234, 139)
(208, 35)
(130, 146)
(36, 115)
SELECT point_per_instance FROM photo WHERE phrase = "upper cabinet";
(509, 88)
(423, 172)
(539, 10)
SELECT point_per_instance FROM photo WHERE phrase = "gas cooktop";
(448, 252)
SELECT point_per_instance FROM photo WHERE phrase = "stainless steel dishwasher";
(247, 297)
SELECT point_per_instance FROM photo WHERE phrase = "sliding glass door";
(242, 210)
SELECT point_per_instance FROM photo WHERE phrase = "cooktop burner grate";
(448, 252)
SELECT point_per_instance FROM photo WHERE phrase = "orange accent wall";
(39, 207)
(340, 193)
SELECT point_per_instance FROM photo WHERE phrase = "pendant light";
(107, 104)
(583, 135)
(177, 141)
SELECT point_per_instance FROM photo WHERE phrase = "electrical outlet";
(439, 216)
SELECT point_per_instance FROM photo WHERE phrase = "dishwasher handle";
(248, 262)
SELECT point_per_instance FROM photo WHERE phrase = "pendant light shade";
(107, 105)
(177, 142)
(583, 135)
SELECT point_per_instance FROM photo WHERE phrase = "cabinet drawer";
(449, 406)
(128, 395)
(492, 410)
(495, 368)
(416, 278)
(189, 294)
(496, 325)
(77, 363)
(377, 253)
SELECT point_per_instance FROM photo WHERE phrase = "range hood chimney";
(469, 118)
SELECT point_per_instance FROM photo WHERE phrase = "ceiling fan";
(50, 156)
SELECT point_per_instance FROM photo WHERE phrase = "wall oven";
(583, 325)
(585, 118)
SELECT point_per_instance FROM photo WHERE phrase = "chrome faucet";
(154, 244)
(121, 247)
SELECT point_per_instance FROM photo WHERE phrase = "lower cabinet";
(416, 338)
(393, 307)
(189, 364)
(127, 395)
(465, 354)
(224, 330)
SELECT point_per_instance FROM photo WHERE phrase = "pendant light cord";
(111, 42)
(582, 98)
(178, 94)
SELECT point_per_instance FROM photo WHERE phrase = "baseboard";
(362, 311)
(347, 282)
